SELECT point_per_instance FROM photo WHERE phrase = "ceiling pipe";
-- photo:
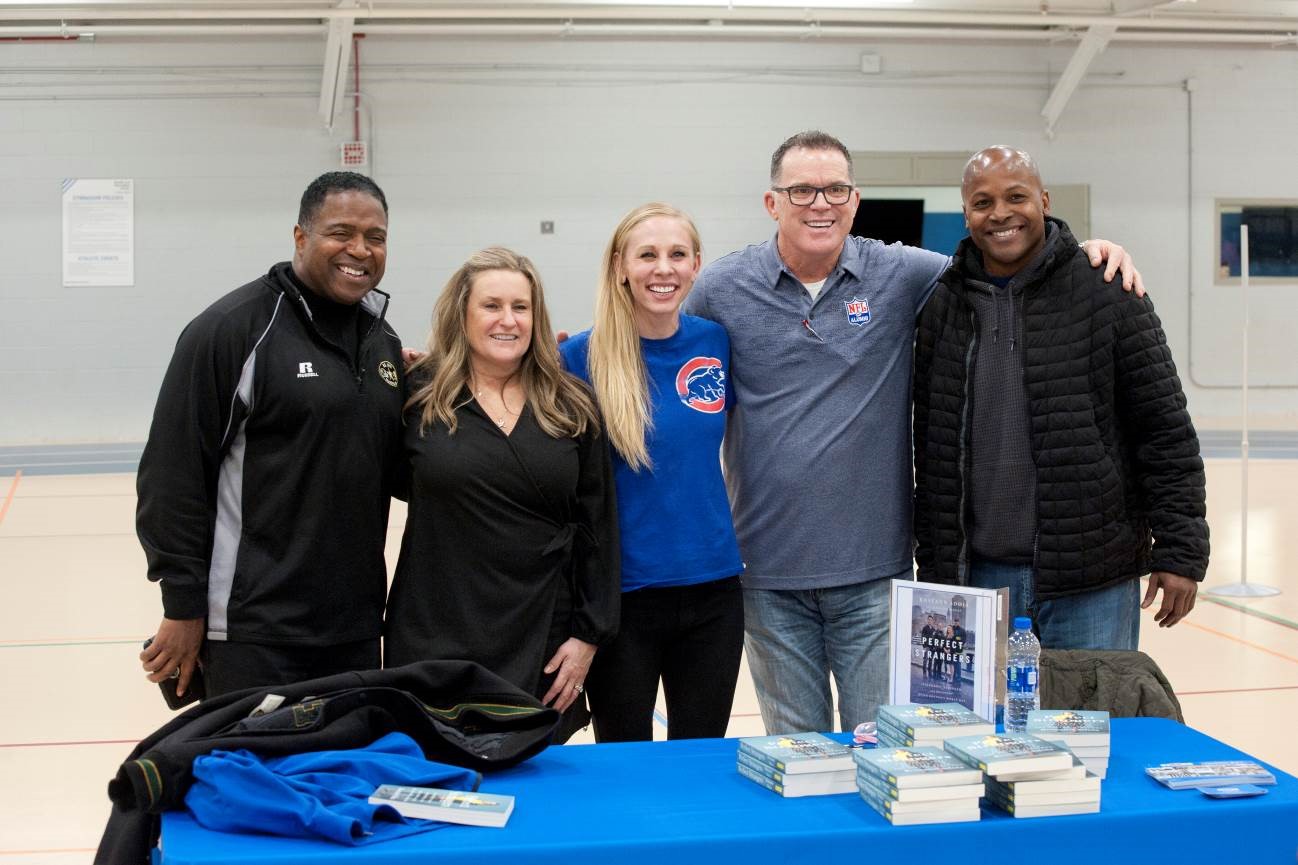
(614, 31)
(702, 14)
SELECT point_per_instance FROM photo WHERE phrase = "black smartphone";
(196, 691)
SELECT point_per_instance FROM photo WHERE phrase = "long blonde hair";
(617, 368)
(560, 403)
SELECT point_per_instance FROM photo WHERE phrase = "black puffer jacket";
(1116, 454)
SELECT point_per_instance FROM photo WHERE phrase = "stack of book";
(801, 764)
(1085, 733)
(919, 725)
(1028, 776)
(1222, 773)
(909, 786)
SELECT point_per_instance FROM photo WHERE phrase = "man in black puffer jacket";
(1053, 451)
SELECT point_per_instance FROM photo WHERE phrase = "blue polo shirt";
(817, 449)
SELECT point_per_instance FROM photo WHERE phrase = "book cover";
(793, 786)
(923, 722)
(799, 752)
(1009, 752)
(447, 806)
(1073, 726)
(947, 645)
(905, 768)
(1219, 773)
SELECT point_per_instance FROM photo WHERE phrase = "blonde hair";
(562, 406)
(617, 368)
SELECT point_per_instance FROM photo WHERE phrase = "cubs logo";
(858, 310)
(701, 384)
(388, 373)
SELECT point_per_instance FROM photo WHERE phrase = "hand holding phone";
(196, 691)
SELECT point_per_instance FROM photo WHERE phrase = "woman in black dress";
(510, 554)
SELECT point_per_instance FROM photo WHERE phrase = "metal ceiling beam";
(1090, 47)
(337, 54)
(544, 13)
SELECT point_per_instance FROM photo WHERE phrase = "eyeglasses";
(835, 193)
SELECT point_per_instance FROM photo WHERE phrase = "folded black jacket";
(458, 712)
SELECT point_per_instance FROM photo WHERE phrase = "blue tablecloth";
(677, 803)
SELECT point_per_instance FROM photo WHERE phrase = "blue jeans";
(795, 638)
(1108, 618)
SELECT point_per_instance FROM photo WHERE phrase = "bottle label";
(1021, 679)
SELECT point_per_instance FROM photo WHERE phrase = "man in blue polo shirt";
(817, 447)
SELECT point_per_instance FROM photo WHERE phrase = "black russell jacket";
(457, 711)
(265, 484)
(1119, 479)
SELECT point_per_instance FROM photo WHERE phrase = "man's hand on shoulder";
(175, 647)
(1178, 597)
(1115, 259)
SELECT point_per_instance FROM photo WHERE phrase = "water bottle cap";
(1022, 623)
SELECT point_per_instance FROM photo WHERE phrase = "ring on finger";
(175, 674)
(578, 688)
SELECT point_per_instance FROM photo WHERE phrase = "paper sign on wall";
(98, 232)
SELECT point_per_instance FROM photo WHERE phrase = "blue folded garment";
(321, 794)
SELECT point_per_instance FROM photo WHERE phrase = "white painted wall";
(476, 142)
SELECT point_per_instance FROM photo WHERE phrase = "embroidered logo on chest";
(701, 384)
(388, 373)
(858, 311)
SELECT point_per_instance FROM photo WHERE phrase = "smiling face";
(658, 265)
(812, 235)
(498, 321)
(340, 255)
(1005, 209)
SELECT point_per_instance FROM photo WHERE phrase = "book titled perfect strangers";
(448, 806)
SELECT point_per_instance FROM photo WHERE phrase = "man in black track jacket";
(1052, 441)
(265, 484)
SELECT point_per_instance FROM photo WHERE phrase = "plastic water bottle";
(1022, 691)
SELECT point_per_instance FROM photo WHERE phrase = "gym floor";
(79, 607)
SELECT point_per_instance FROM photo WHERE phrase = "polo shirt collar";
(851, 259)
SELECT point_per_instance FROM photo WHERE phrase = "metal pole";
(1242, 589)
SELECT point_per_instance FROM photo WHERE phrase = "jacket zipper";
(962, 563)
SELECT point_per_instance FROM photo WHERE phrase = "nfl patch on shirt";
(858, 311)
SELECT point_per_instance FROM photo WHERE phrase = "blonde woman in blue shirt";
(662, 381)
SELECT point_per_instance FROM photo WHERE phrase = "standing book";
(948, 646)
(447, 806)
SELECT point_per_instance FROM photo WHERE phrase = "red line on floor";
(50, 850)
(1233, 638)
(1237, 690)
(60, 744)
(13, 488)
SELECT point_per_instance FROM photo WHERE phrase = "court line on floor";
(1242, 642)
(13, 488)
(44, 644)
(68, 744)
(1250, 611)
(1237, 691)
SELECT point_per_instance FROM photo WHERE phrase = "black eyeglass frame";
(816, 190)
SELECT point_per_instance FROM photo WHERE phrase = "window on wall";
(1272, 240)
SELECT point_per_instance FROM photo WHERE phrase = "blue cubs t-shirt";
(674, 517)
